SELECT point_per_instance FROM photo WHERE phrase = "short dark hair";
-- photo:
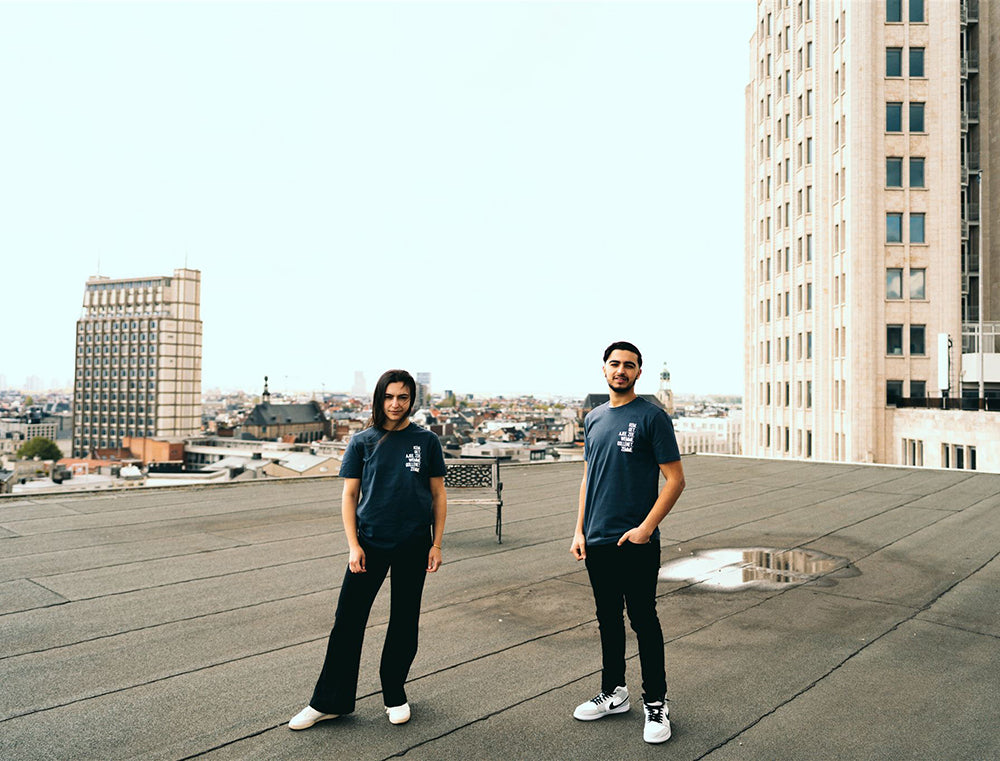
(378, 417)
(624, 346)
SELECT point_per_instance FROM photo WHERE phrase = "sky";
(491, 192)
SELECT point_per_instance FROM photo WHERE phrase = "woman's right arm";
(349, 512)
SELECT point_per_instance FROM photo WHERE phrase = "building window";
(809, 345)
(809, 296)
(917, 117)
(918, 278)
(809, 150)
(894, 283)
(916, 172)
(893, 11)
(917, 232)
(809, 394)
(893, 117)
(916, 62)
(918, 389)
(917, 11)
(917, 343)
(894, 62)
(893, 227)
(894, 341)
(809, 55)
(894, 172)
(893, 392)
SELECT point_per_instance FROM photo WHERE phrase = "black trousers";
(626, 576)
(336, 689)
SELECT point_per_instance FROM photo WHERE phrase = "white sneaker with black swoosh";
(603, 704)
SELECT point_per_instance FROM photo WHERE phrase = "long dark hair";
(378, 417)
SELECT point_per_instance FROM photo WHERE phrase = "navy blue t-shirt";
(624, 447)
(395, 469)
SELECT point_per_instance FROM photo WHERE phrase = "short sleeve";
(663, 439)
(354, 462)
(435, 458)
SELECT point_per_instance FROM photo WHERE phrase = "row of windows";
(784, 342)
(959, 456)
(894, 11)
(894, 62)
(803, 394)
(917, 283)
(109, 325)
(803, 439)
(114, 397)
(785, 300)
(894, 172)
(87, 421)
(150, 385)
(114, 409)
(894, 391)
(141, 349)
(894, 116)
(894, 227)
(764, 265)
(130, 285)
(119, 337)
(90, 440)
(131, 373)
(894, 340)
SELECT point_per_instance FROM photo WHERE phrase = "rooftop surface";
(183, 623)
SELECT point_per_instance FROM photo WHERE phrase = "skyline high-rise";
(862, 227)
(138, 360)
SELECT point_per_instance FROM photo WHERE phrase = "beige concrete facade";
(859, 131)
(138, 360)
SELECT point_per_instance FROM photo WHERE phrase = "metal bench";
(478, 481)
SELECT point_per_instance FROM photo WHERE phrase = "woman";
(397, 469)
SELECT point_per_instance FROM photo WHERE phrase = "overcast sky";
(490, 192)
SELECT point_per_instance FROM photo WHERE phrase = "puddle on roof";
(754, 568)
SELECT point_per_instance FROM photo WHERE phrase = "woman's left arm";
(439, 504)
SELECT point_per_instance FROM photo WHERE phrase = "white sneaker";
(309, 716)
(398, 714)
(603, 704)
(657, 728)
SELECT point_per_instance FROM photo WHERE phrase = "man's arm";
(674, 473)
(579, 545)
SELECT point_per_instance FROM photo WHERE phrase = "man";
(628, 443)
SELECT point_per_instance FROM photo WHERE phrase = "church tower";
(665, 395)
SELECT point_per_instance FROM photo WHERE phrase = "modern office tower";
(863, 146)
(138, 360)
(360, 388)
(423, 399)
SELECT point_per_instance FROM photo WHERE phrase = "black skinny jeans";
(336, 689)
(626, 576)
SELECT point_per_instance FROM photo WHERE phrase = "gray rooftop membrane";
(179, 623)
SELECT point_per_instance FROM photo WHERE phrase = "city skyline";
(373, 185)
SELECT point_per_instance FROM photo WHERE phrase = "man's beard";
(624, 390)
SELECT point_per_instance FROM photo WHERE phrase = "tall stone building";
(138, 360)
(865, 135)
